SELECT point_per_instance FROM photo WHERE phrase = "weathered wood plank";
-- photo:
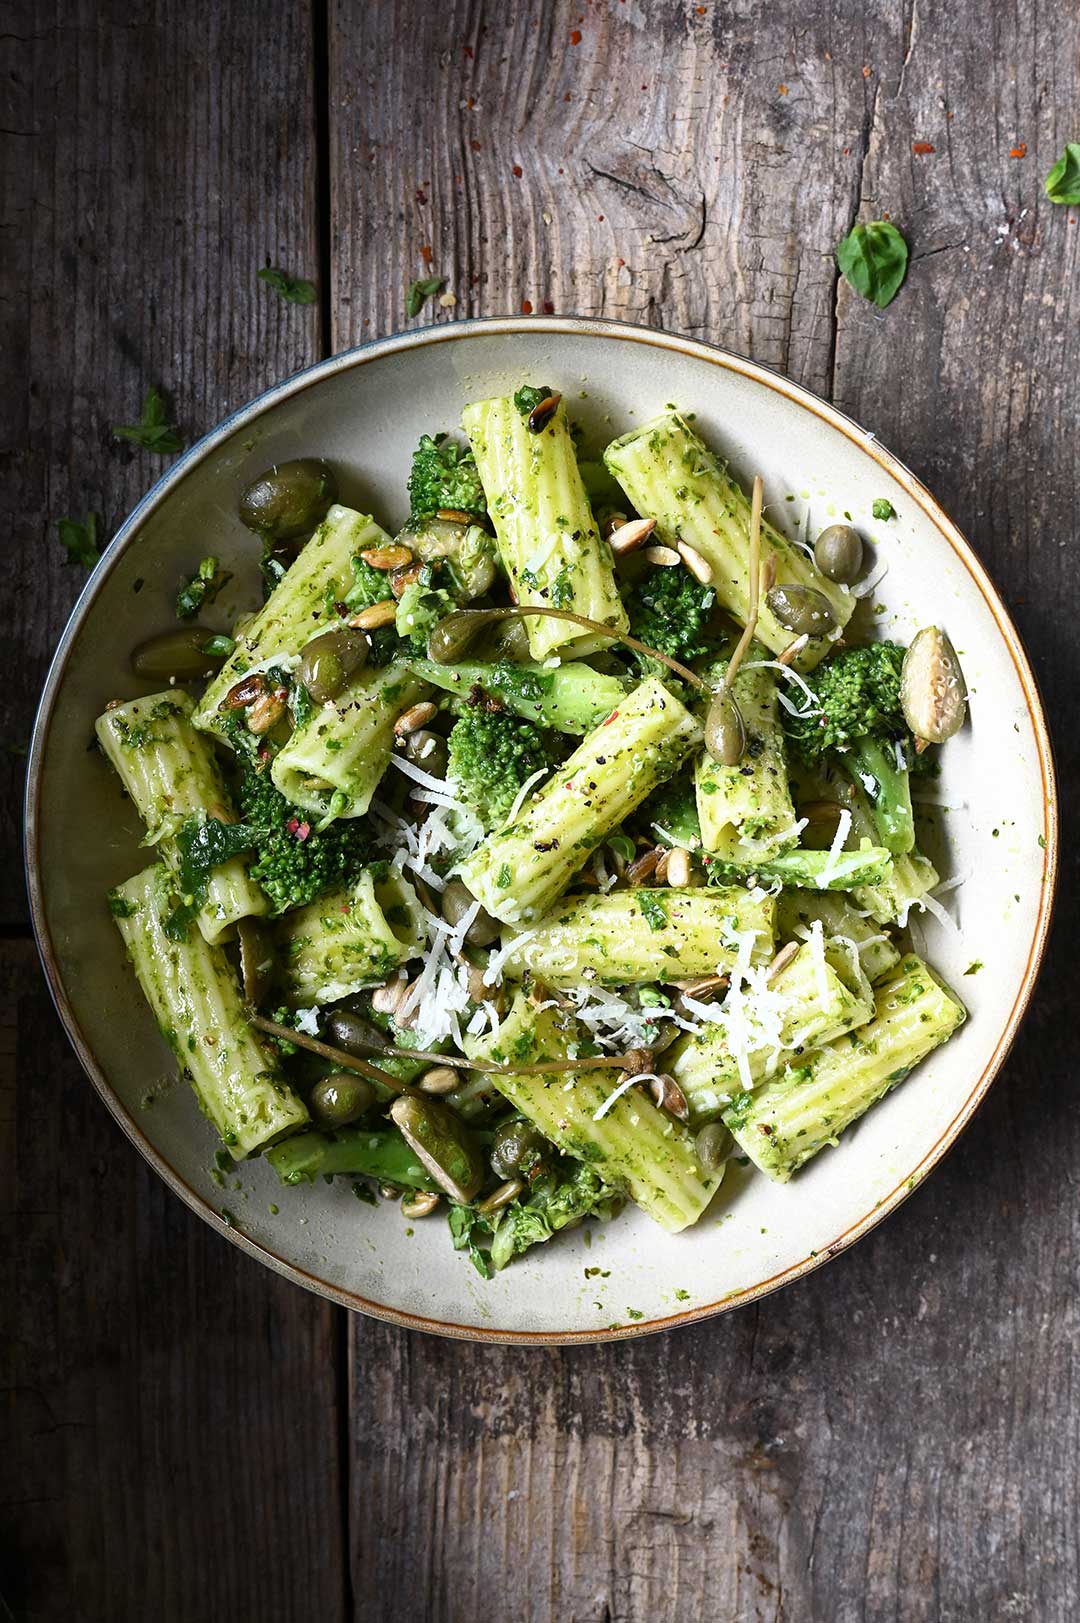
(170, 1410)
(153, 161)
(894, 1437)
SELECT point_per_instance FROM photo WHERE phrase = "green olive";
(838, 553)
(330, 660)
(516, 1148)
(711, 1147)
(457, 899)
(180, 653)
(725, 730)
(340, 1098)
(289, 499)
(427, 750)
(452, 638)
(354, 1034)
(802, 610)
(467, 550)
(443, 1143)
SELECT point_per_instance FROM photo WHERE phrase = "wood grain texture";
(893, 1438)
(170, 1415)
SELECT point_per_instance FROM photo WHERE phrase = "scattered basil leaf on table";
(420, 291)
(1063, 181)
(153, 431)
(294, 288)
(80, 540)
(874, 259)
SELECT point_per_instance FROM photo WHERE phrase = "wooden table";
(189, 1437)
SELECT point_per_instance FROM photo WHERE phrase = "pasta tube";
(797, 910)
(521, 872)
(171, 773)
(547, 536)
(298, 607)
(819, 995)
(644, 935)
(632, 1144)
(333, 763)
(192, 989)
(670, 475)
(745, 811)
(350, 940)
(905, 880)
(809, 1106)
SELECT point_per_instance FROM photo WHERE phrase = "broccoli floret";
(856, 713)
(444, 475)
(294, 862)
(491, 755)
(669, 610)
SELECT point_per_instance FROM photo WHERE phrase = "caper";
(340, 1098)
(443, 1143)
(457, 900)
(516, 1148)
(802, 610)
(466, 548)
(725, 730)
(353, 1033)
(452, 638)
(932, 690)
(289, 500)
(426, 749)
(330, 659)
(838, 553)
(180, 653)
(711, 1147)
(508, 639)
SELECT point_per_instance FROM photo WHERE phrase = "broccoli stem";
(364, 1152)
(872, 767)
(571, 698)
(807, 869)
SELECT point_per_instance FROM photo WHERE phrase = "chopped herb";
(1063, 181)
(80, 540)
(883, 509)
(364, 1192)
(293, 288)
(634, 1313)
(153, 432)
(504, 877)
(974, 967)
(873, 258)
(653, 910)
(682, 1296)
(228, 1218)
(120, 907)
(420, 291)
(201, 589)
(527, 398)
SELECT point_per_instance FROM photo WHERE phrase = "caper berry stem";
(725, 730)
(754, 583)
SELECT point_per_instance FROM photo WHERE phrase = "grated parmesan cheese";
(843, 829)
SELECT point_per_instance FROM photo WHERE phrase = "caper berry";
(457, 899)
(426, 749)
(516, 1148)
(452, 638)
(711, 1147)
(725, 730)
(353, 1033)
(330, 660)
(289, 500)
(838, 553)
(180, 653)
(802, 610)
(340, 1098)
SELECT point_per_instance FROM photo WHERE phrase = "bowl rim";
(587, 327)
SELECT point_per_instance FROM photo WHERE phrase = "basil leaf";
(293, 288)
(1063, 181)
(421, 290)
(874, 259)
(80, 540)
(153, 431)
(201, 589)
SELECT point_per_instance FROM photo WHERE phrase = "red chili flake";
(599, 216)
(866, 72)
(516, 171)
(474, 143)
(470, 102)
(700, 10)
(610, 719)
(921, 148)
(575, 37)
(421, 197)
(549, 308)
(344, 907)
(468, 51)
(621, 263)
(845, 151)
(425, 254)
(526, 307)
(1018, 152)
(293, 824)
(303, 831)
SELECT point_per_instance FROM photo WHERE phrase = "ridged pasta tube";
(810, 1104)
(633, 1145)
(670, 475)
(300, 605)
(547, 536)
(797, 910)
(192, 989)
(522, 871)
(352, 939)
(745, 810)
(171, 773)
(642, 935)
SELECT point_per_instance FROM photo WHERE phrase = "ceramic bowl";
(996, 820)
